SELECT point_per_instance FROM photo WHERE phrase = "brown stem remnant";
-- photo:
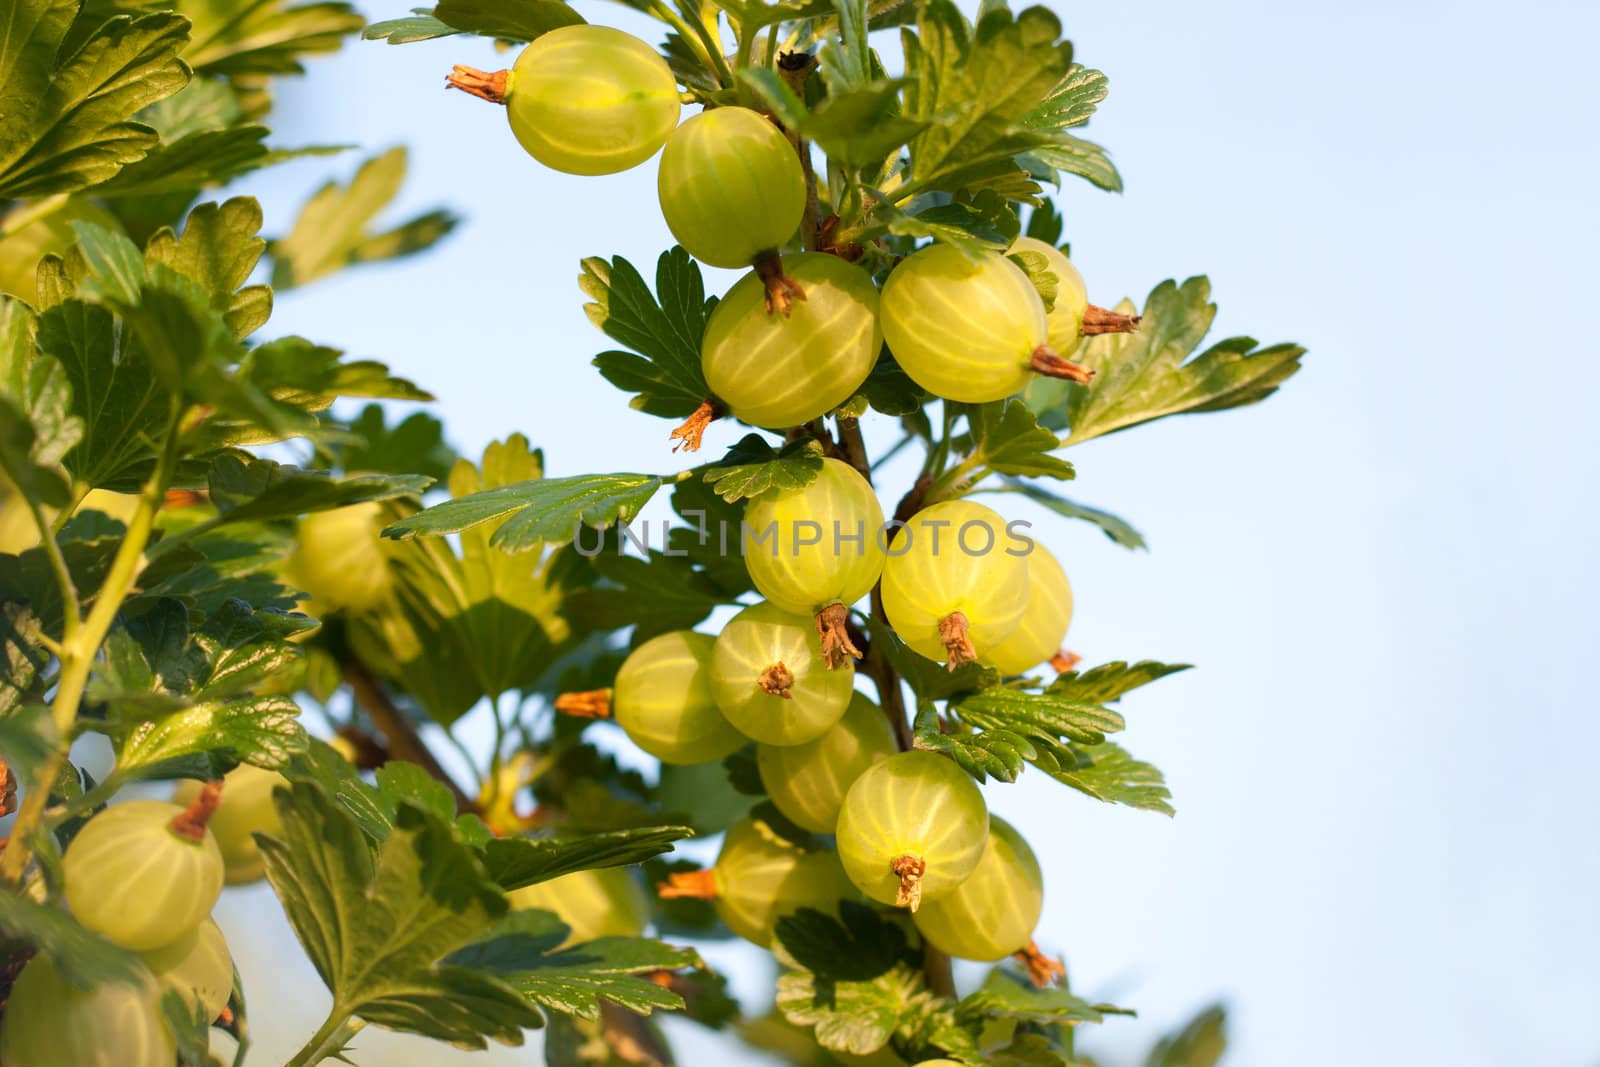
(833, 628)
(1098, 320)
(828, 241)
(782, 290)
(1042, 970)
(8, 789)
(689, 885)
(191, 822)
(776, 681)
(909, 869)
(689, 434)
(954, 632)
(1045, 361)
(483, 84)
(1063, 661)
(589, 704)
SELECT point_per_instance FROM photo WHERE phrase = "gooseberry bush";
(244, 618)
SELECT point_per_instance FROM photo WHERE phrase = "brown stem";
(909, 869)
(367, 753)
(191, 822)
(828, 241)
(1045, 361)
(483, 84)
(689, 885)
(911, 503)
(833, 628)
(404, 742)
(1097, 320)
(1064, 661)
(1042, 970)
(776, 681)
(954, 632)
(589, 704)
(782, 290)
(693, 429)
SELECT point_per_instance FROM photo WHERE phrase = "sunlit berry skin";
(49, 1022)
(663, 700)
(197, 965)
(993, 913)
(778, 371)
(819, 545)
(963, 329)
(131, 878)
(760, 878)
(591, 100)
(934, 570)
(808, 782)
(763, 639)
(1065, 315)
(601, 903)
(1044, 621)
(339, 558)
(246, 809)
(916, 804)
(730, 186)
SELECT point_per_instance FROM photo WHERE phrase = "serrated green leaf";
(264, 731)
(514, 862)
(1073, 155)
(996, 753)
(1070, 103)
(662, 368)
(753, 467)
(37, 426)
(218, 250)
(66, 118)
(524, 953)
(507, 20)
(414, 445)
(298, 372)
(1006, 438)
(266, 37)
(967, 227)
(419, 26)
(543, 511)
(854, 1017)
(858, 946)
(203, 104)
(379, 925)
(201, 159)
(246, 488)
(1108, 773)
(1148, 374)
(655, 593)
(84, 958)
(1048, 715)
(333, 230)
(1007, 995)
(979, 82)
(1111, 681)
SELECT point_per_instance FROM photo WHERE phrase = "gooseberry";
(770, 680)
(49, 1022)
(608, 902)
(992, 914)
(246, 808)
(591, 100)
(1044, 621)
(663, 699)
(198, 966)
(339, 558)
(1065, 315)
(808, 782)
(731, 188)
(912, 828)
(783, 370)
(956, 581)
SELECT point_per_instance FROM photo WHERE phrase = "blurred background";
(1387, 844)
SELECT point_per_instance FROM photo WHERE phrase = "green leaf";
(37, 426)
(507, 20)
(1200, 1043)
(857, 125)
(753, 467)
(979, 83)
(1113, 526)
(1007, 439)
(200, 159)
(654, 594)
(1070, 103)
(1074, 155)
(542, 511)
(380, 925)
(1148, 374)
(997, 753)
(858, 946)
(1007, 995)
(83, 958)
(218, 250)
(1108, 773)
(414, 445)
(203, 104)
(930, 680)
(265, 37)
(264, 731)
(523, 953)
(973, 228)
(69, 114)
(662, 367)
(21, 660)
(312, 376)
(333, 230)
(1111, 681)
(1049, 715)
(420, 26)
(514, 862)
(854, 1017)
(246, 488)
(190, 1028)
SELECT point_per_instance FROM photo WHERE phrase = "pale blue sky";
(1387, 844)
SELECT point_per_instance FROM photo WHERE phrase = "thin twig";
(404, 741)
